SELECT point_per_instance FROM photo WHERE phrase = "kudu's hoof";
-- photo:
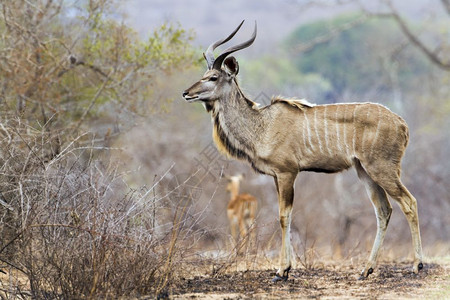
(282, 278)
(417, 268)
(364, 276)
(279, 278)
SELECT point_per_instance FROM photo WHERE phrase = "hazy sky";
(212, 19)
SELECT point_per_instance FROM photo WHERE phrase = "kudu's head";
(218, 80)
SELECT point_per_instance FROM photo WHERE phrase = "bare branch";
(431, 54)
(93, 101)
(446, 4)
(332, 33)
(75, 62)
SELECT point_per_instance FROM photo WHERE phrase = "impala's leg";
(249, 216)
(242, 230)
(383, 212)
(285, 189)
(233, 224)
(250, 223)
(408, 204)
(242, 223)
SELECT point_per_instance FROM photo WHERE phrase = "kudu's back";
(328, 138)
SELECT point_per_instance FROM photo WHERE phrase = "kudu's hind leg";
(383, 212)
(408, 204)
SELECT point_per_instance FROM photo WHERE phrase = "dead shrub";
(72, 226)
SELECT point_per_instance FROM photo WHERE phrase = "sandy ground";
(389, 281)
(331, 280)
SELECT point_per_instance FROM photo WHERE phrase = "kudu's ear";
(232, 65)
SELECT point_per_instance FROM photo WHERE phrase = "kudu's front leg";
(285, 189)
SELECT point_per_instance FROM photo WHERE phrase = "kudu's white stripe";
(317, 131)
(337, 129)
(309, 131)
(363, 140)
(376, 131)
(354, 131)
(344, 135)
(326, 129)
(307, 149)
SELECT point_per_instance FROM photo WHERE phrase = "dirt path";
(389, 281)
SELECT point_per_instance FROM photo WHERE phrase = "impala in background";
(289, 136)
(241, 209)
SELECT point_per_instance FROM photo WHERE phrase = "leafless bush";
(73, 228)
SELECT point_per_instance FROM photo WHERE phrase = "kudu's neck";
(238, 126)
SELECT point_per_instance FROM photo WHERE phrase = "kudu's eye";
(213, 78)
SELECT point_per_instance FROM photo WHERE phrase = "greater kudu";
(289, 136)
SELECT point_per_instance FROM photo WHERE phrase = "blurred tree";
(437, 51)
(76, 64)
(276, 73)
(356, 53)
(431, 38)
